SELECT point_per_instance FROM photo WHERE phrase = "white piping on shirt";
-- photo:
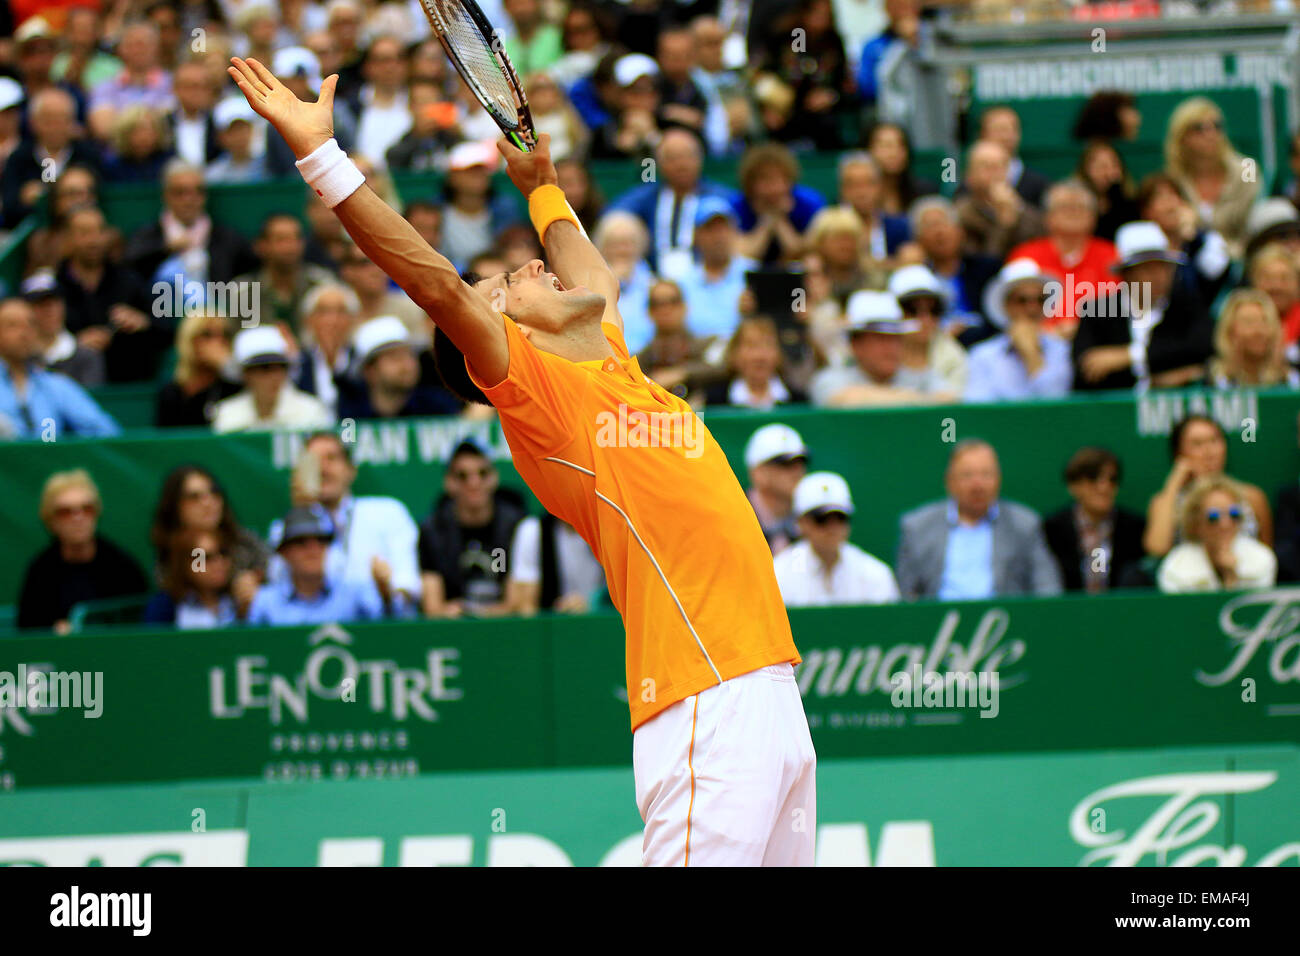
(649, 554)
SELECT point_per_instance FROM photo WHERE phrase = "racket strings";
(481, 68)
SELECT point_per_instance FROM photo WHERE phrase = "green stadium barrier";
(892, 458)
(1231, 807)
(401, 699)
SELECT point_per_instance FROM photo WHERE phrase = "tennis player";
(724, 764)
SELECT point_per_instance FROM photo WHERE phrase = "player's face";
(536, 299)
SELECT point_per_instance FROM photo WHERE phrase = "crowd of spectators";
(759, 292)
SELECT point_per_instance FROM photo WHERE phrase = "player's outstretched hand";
(304, 126)
(528, 170)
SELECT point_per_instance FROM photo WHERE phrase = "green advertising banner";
(1186, 807)
(893, 460)
(407, 699)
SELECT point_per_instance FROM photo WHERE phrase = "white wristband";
(330, 173)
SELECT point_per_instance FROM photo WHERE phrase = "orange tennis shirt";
(633, 469)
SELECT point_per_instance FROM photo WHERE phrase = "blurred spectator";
(267, 400)
(713, 285)
(551, 567)
(81, 62)
(327, 241)
(929, 348)
(993, 215)
(1214, 554)
(1287, 544)
(108, 306)
(860, 190)
(903, 31)
(974, 545)
(1199, 449)
(827, 329)
(777, 459)
(424, 146)
(621, 238)
(205, 250)
(1101, 168)
(80, 564)
(78, 186)
(285, 279)
(195, 591)
(1276, 273)
(473, 214)
(192, 128)
(199, 382)
(142, 81)
(384, 115)
(11, 119)
(1249, 352)
(35, 403)
(1108, 115)
(519, 245)
(1273, 222)
(1288, 179)
(298, 18)
(56, 349)
(596, 96)
(300, 69)
(824, 568)
(37, 162)
(377, 296)
(1097, 545)
(877, 376)
(939, 239)
(1162, 200)
(425, 217)
(1166, 337)
(683, 101)
(191, 502)
(816, 70)
(1001, 124)
(755, 365)
(344, 23)
(257, 21)
(676, 359)
(236, 163)
(389, 374)
(1023, 361)
(581, 191)
(1071, 250)
(585, 32)
(375, 543)
(669, 204)
(838, 238)
(632, 130)
(464, 540)
(308, 593)
(140, 147)
(1200, 157)
(774, 106)
(535, 43)
(36, 45)
(714, 69)
(774, 210)
(330, 314)
(890, 147)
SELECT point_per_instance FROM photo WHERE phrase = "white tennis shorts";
(728, 777)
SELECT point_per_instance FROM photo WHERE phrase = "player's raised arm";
(380, 232)
(569, 252)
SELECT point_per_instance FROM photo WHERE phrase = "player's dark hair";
(450, 361)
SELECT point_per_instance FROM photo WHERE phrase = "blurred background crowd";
(978, 280)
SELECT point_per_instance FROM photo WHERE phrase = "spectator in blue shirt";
(1022, 361)
(308, 595)
(35, 403)
(713, 285)
(775, 210)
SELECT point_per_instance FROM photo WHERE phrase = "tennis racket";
(476, 50)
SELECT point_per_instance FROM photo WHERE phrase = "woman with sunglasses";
(1023, 361)
(80, 564)
(196, 586)
(1215, 555)
(202, 360)
(1199, 155)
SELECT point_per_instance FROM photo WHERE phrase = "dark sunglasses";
(829, 517)
(1214, 515)
(920, 308)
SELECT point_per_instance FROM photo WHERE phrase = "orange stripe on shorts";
(690, 757)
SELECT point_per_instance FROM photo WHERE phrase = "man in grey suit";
(972, 545)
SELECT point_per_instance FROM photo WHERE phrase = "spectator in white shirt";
(375, 537)
(551, 567)
(1215, 555)
(385, 116)
(191, 122)
(267, 400)
(824, 568)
